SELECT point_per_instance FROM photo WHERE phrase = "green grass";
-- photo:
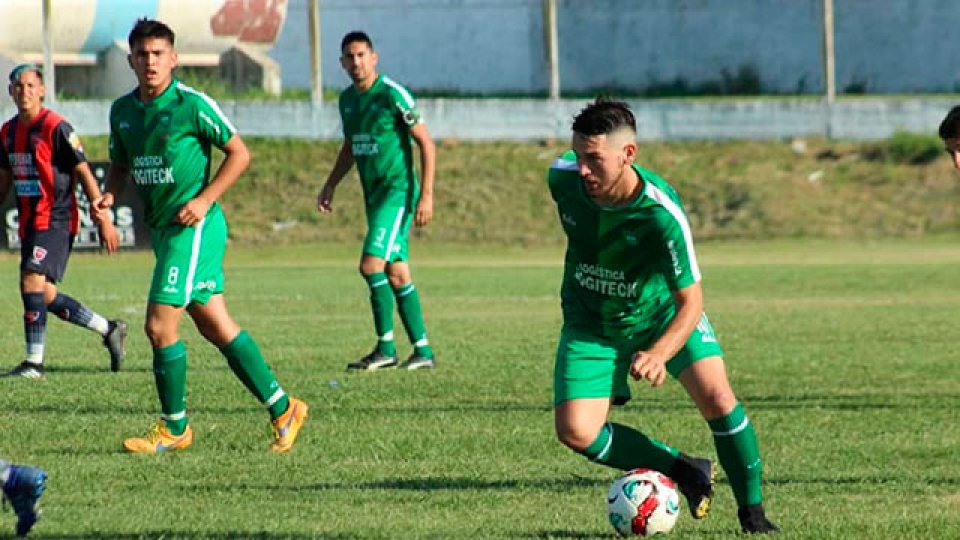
(844, 354)
(496, 191)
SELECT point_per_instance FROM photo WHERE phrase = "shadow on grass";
(421, 484)
(565, 533)
(850, 402)
(169, 534)
(893, 480)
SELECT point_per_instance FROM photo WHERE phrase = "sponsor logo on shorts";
(39, 254)
(209, 284)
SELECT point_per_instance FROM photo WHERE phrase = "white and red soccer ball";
(643, 502)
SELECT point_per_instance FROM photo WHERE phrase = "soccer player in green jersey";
(379, 119)
(632, 305)
(161, 135)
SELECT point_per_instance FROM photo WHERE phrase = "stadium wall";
(497, 46)
(529, 119)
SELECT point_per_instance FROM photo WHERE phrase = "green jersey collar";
(377, 82)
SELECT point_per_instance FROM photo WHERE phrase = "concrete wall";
(528, 119)
(496, 46)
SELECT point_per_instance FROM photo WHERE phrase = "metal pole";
(316, 79)
(550, 36)
(829, 54)
(49, 71)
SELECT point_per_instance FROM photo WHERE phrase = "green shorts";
(593, 367)
(387, 230)
(189, 265)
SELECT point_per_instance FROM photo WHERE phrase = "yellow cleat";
(287, 426)
(159, 439)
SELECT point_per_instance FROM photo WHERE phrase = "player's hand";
(101, 208)
(424, 210)
(192, 212)
(649, 366)
(325, 199)
(109, 238)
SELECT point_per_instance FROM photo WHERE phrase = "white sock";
(99, 324)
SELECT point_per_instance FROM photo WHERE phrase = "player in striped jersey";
(42, 158)
(632, 305)
(161, 136)
(380, 118)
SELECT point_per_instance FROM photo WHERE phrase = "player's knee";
(718, 402)
(158, 334)
(576, 439)
(370, 265)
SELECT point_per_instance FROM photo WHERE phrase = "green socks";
(739, 455)
(408, 303)
(170, 374)
(381, 300)
(625, 448)
(246, 361)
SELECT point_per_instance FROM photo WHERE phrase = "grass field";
(844, 354)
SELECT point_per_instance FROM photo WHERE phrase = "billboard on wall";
(127, 217)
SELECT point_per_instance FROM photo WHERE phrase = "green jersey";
(166, 143)
(621, 263)
(377, 123)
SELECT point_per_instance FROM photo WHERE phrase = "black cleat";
(113, 341)
(417, 361)
(372, 362)
(754, 521)
(27, 370)
(695, 478)
(23, 489)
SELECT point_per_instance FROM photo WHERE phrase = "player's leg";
(383, 226)
(177, 251)
(384, 354)
(173, 431)
(23, 486)
(734, 436)
(34, 324)
(411, 315)
(589, 374)
(113, 332)
(247, 363)
(43, 260)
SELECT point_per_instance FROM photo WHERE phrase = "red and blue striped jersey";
(42, 155)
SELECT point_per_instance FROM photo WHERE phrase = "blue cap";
(17, 71)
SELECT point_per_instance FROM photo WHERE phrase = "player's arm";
(236, 161)
(651, 363)
(340, 169)
(108, 233)
(428, 162)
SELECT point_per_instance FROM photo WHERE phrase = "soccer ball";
(643, 502)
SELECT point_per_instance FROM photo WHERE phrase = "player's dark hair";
(950, 127)
(23, 68)
(604, 116)
(149, 28)
(356, 36)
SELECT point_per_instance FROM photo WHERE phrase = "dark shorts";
(46, 252)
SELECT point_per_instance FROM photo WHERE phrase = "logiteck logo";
(566, 218)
